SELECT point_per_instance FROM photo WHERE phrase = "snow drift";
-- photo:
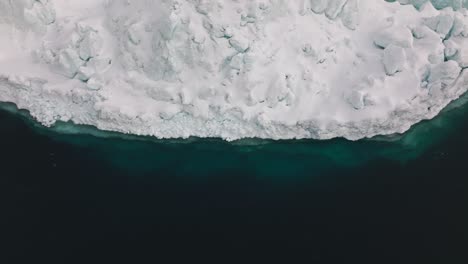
(234, 69)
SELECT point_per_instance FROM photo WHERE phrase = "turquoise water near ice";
(76, 193)
(265, 158)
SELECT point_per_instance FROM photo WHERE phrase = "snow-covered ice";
(233, 69)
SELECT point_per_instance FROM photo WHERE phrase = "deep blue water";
(102, 197)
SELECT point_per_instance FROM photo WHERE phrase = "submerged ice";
(234, 69)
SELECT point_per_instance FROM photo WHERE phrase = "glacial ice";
(234, 69)
(394, 59)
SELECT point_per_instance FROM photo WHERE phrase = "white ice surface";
(234, 69)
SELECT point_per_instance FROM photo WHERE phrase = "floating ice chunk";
(69, 62)
(94, 84)
(237, 62)
(133, 35)
(451, 49)
(335, 7)
(350, 14)
(239, 43)
(456, 48)
(441, 24)
(441, 4)
(416, 3)
(444, 73)
(44, 12)
(85, 73)
(38, 11)
(397, 35)
(394, 59)
(99, 65)
(438, 4)
(319, 6)
(462, 53)
(436, 57)
(356, 99)
(442, 77)
(90, 45)
(460, 28)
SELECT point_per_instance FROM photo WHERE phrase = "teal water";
(75, 194)
(264, 158)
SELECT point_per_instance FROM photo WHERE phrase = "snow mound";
(234, 69)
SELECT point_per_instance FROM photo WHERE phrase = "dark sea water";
(89, 197)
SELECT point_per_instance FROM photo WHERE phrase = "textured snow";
(394, 59)
(234, 69)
